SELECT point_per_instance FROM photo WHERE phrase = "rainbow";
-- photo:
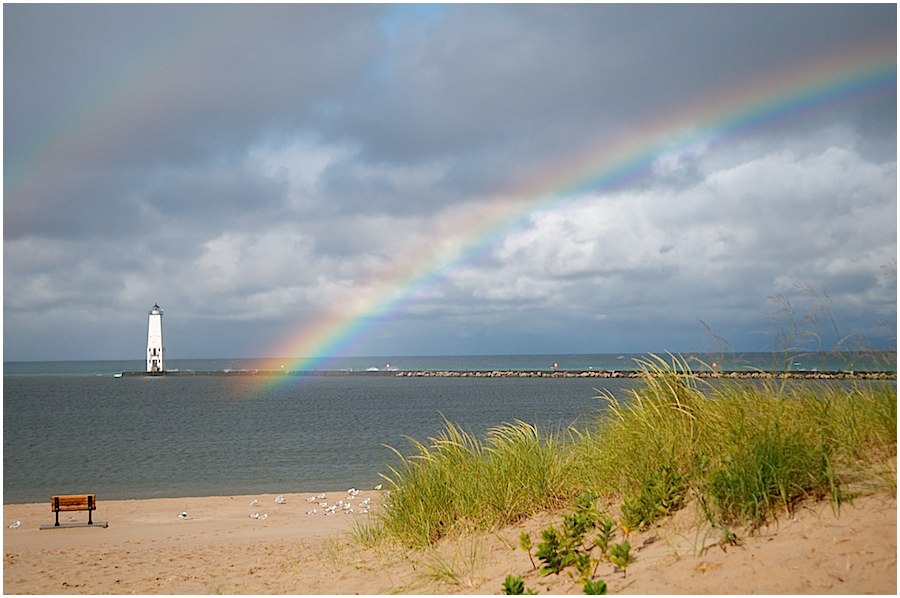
(717, 119)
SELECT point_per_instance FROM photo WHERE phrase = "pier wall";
(799, 375)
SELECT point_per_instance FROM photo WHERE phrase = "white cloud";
(745, 230)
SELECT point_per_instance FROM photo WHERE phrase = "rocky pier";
(751, 374)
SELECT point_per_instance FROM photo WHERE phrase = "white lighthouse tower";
(154, 341)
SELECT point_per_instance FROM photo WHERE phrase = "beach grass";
(457, 482)
(744, 450)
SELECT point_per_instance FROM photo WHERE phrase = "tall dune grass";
(454, 482)
(745, 450)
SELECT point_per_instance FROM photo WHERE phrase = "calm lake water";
(71, 427)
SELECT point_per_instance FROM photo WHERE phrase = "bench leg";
(57, 519)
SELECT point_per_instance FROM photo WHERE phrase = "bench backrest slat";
(74, 502)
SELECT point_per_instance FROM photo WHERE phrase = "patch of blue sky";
(397, 21)
(399, 16)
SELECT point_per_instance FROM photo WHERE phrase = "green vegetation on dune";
(458, 482)
(745, 451)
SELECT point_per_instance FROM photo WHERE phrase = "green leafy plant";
(525, 544)
(586, 504)
(515, 586)
(554, 552)
(595, 588)
(620, 556)
(660, 496)
(606, 527)
(583, 563)
(565, 548)
(561, 549)
(583, 519)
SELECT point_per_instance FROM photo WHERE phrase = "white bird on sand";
(313, 498)
(313, 512)
(322, 495)
(378, 487)
(254, 515)
(280, 499)
(264, 516)
(183, 515)
(15, 525)
(323, 504)
(254, 502)
(352, 491)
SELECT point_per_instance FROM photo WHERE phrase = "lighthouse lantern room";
(154, 341)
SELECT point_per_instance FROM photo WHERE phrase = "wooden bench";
(74, 502)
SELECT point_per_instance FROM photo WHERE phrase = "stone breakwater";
(799, 375)
(640, 374)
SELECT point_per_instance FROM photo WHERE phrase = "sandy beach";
(218, 548)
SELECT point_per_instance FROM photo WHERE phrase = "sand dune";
(219, 548)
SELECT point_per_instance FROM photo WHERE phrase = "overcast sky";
(256, 169)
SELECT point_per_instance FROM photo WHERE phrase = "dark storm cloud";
(207, 78)
(487, 76)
